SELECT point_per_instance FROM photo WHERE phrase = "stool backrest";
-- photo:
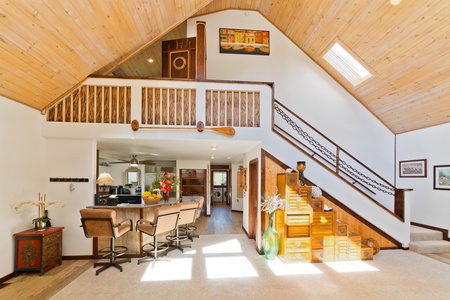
(199, 208)
(98, 222)
(187, 212)
(166, 218)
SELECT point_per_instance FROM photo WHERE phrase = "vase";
(166, 196)
(270, 240)
(40, 225)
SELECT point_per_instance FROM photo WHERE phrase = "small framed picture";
(441, 177)
(413, 168)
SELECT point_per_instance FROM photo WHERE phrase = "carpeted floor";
(228, 267)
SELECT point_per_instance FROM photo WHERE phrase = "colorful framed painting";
(441, 177)
(413, 168)
(244, 41)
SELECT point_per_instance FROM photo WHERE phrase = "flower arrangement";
(167, 182)
(163, 184)
(272, 203)
(42, 202)
(42, 205)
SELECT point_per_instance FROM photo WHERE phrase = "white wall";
(301, 85)
(22, 173)
(428, 206)
(71, 158)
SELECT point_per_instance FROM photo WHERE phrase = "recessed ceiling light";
(150, 60)
(213, 148)
(212, 156)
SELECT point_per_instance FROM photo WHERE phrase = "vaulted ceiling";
(49, 46)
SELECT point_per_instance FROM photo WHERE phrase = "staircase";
(425, 240)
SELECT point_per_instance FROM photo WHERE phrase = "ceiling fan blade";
(227, 130)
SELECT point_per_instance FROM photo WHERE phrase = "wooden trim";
(200, 53)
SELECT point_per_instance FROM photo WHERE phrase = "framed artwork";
(442, 177)
(413, 168)
(244, 41)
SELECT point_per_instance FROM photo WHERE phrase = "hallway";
(221, 221)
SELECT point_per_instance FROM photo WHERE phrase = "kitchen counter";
(134, 206)
(132, 240)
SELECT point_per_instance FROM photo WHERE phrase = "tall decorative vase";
(270, 240)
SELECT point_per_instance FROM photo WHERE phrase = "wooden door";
(178, 58)
(253, 198)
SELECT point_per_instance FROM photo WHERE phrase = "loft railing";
(331, 156)
(161, 103)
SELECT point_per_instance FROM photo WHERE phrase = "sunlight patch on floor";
(351, 266)
(229, 267)
(280, 269)
(231, 246)
(189, 251)
(175, 269)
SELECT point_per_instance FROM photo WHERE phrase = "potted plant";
(40, 223)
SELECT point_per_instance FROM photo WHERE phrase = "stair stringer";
(362, 205)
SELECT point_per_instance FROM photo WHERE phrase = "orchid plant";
(41, 204)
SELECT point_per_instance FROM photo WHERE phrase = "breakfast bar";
(133, 240)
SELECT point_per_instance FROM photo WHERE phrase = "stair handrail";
(332, 161)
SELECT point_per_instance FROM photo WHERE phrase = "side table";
(37, 250)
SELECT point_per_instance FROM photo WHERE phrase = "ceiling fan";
(134, 162)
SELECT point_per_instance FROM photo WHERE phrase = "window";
(346, 64)
(220, 178)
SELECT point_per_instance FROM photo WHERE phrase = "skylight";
(346, 64)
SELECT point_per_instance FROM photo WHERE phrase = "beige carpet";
(228, 267)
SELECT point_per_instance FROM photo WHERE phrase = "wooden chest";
(322, 224)
(329, 243)
(341, 228)
(317, 204)
(298, 225)
(297, 249)
(366, 252)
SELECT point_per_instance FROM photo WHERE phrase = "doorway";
(220, 187)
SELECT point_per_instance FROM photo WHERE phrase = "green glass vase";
(270, 240)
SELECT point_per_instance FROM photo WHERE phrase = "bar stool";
(102, 223)
(191, 227)
(165, 219)
(187, 216)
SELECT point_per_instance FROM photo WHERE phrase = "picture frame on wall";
(413, 168)
(441, 180)
(244, 41)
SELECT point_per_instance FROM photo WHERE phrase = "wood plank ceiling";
(50, 46)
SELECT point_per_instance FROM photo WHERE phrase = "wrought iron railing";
(330, 155)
